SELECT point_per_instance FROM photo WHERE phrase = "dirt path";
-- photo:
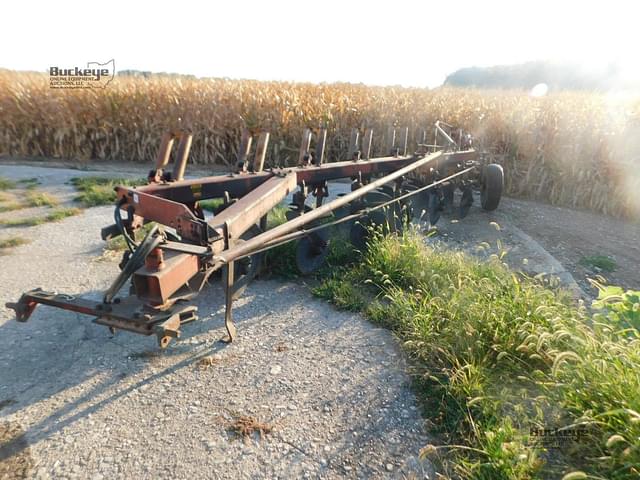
(544, 239)
(571, 235)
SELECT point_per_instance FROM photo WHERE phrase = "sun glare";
(540, 90)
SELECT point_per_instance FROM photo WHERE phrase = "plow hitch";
(129, 314)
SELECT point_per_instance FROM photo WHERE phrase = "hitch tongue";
(23, 307)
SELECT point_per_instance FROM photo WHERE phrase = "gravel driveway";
(76, 402)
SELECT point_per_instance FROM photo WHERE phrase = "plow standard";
(177, 257)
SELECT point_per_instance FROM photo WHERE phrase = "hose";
(151, 241)
(131, 244)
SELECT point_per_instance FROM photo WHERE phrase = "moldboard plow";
(176, 258)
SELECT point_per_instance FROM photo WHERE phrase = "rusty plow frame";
(176, 258)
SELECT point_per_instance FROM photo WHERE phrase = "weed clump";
(95, 191)
(55, 216)
(498, 356)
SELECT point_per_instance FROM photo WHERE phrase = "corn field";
(572, 149)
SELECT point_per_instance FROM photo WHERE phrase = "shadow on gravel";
(58, 350)
(16, 462)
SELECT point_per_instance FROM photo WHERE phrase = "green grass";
(623, 308)
(11, 206)
(29, 183)
(40, 199)
(54, 216)
(32, 198)
(210, 205)
(604, 263)
(281, 260)
(11, 242)
(496, 353)
(344, 293)
(6, 184)
(20, 200)
(118, 243)
(276, 216)
(95, 191)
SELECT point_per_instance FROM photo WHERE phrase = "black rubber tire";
(491, 187)
(388, 190)
(361, 229)
(312, 251)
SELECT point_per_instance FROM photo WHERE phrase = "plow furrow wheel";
(389, 219)
(410, 206)
(388, 190)
(312, 251)
(448, 191)
(399, 212)
(294, 212)
(362, 228)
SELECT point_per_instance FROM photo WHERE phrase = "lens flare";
(540, 90)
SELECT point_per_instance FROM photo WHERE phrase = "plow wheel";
(388, 190)
(448, 190)
(247, 268)
(417, 204)
(361, 229)
(491, 185)
(312, 251)
(410, 206)
(390, 219)
(342, 212)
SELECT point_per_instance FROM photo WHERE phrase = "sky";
(399, 42)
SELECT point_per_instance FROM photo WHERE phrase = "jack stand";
(228, 311)
(229, 291)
